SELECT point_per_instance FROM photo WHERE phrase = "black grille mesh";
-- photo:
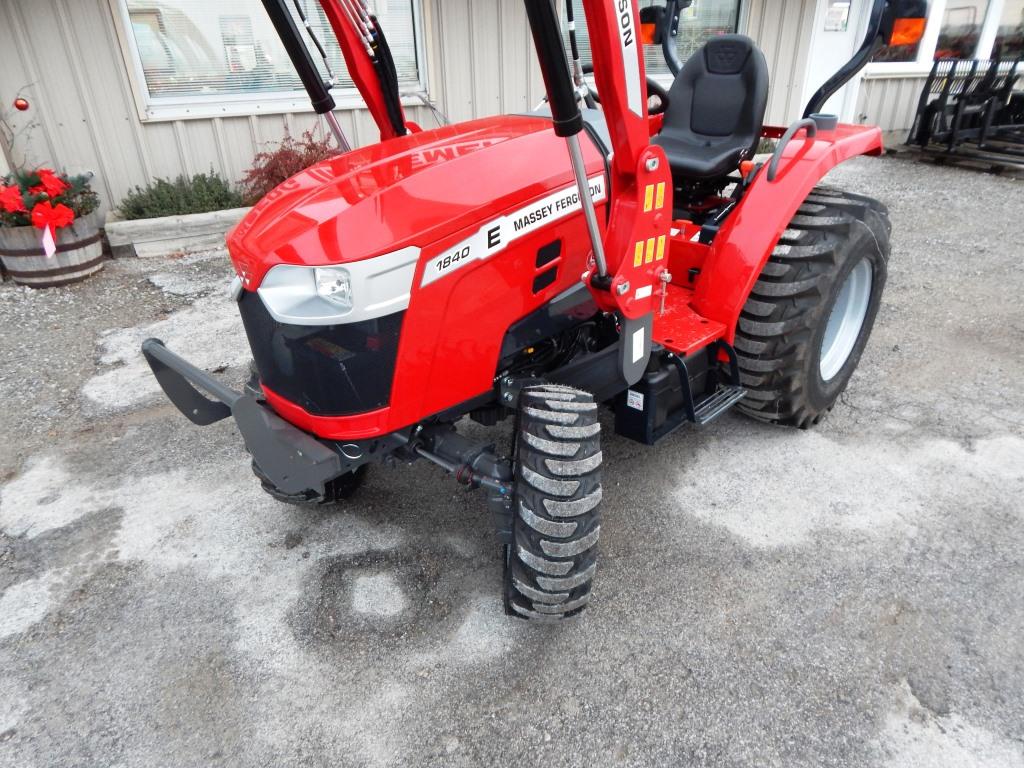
(328, 370)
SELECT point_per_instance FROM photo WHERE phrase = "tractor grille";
(328, 370)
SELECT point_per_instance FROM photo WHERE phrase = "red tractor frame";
(499, 268)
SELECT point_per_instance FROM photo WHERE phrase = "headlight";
(335, 285)
(361, 290)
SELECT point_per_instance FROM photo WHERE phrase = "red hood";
(410, 191)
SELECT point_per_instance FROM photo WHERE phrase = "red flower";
(49, 183)
(45, 214)
(10, 200)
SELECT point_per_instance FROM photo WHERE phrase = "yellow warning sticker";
(638, 254)
(650, 251)
(661, 196)
(649, 198)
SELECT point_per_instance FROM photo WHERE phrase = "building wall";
(480, 61)
(782, 28)
(482, 58)
(66, 56)
(890, 102)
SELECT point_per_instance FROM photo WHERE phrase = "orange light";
(647, 33)
(746, 167)
(907, 32)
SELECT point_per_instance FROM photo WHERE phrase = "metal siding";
(485, 74)
(17, 70)
(456, 45)
(890, 102)
(483, 61)
(782, 28)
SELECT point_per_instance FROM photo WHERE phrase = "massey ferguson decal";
(496, 235)
(630, 56)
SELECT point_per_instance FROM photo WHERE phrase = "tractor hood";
(411, 191)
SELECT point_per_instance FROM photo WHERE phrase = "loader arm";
(369, 62)
(367, 58)
(640, 217)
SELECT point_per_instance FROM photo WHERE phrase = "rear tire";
(784, 343)
(549, 568)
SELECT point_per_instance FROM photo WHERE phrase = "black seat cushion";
(716, 109)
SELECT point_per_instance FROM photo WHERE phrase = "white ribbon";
(49, 246)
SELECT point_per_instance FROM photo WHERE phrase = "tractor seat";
(715, 109)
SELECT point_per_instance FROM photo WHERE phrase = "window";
(199, 57)
(698, 23)
(961, 29)
(696, 26)
(1009, 42)
(902, 53)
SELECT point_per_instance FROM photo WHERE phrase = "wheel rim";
(846, 320)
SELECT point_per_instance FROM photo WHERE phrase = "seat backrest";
(720, 95)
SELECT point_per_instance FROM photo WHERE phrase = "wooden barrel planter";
(79, 254)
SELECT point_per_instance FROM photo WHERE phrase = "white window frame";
(926, 51)
(243, 104)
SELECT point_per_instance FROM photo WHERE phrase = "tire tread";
(788, 301)
(551, 564)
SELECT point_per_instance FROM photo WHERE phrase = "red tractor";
(633, 257)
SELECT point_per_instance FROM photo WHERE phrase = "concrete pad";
(848, 596)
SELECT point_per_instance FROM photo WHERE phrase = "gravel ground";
(841, 597)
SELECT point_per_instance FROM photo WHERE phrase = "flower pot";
(79, 254)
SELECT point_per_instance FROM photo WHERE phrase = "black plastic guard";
(292, 460)
(177, 384)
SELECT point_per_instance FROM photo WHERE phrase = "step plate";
(720, 402)
(679, 329)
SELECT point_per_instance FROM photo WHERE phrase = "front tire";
(550, 566)
(809, 317)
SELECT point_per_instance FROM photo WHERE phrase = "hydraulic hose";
(301, 58)
(577, 62)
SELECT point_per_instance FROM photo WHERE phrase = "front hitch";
(294, 461)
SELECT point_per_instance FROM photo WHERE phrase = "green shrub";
(203, 192)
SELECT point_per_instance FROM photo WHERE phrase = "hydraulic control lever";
(565, 111)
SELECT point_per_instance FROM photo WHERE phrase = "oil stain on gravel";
(384, 600)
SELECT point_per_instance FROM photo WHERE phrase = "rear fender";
(749, 235)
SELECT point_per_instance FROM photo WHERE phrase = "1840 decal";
(496, 235)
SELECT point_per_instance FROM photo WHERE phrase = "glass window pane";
(903, 53)
(961, 28)
(1010, 35)
(191, 48)
(698, 23)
